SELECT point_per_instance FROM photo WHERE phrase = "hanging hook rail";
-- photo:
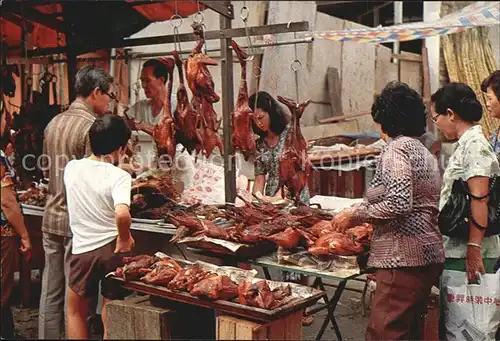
(244, 13)
(296, 66)
(176, 22)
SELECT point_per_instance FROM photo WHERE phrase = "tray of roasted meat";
(223, 288)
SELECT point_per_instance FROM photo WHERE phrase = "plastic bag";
(471, 311)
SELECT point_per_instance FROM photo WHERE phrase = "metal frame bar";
(226, 9)
(258, 49)
(185, 37)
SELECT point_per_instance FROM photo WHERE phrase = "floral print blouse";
(495, 142)
(473, 156)
(267, 163)
(7, 176)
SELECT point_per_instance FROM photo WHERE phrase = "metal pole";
(308, 40)
(112, 62)
(398, 19)
(227, 107)
(262, 45)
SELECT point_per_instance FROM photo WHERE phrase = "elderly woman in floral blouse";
(402, 204)
(456, 111)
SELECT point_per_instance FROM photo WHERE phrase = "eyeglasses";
(434, 118)
(110, 95)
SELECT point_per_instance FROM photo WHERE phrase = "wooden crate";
(138, 319)
(232, 328)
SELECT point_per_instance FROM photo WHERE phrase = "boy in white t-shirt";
(98, 198)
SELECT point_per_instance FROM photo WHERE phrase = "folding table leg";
(331, 306)
(266, 273)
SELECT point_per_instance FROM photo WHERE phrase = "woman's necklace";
(272, 141)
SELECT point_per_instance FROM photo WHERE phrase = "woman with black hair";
(456, 110)
(491, 86)
(402, 204)
(271, 123)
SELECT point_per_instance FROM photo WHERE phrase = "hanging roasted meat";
(243, 139)
(208, 127)
(202, 86)
(199, 79)
(294, 165)
(164, 131)
(186, 119)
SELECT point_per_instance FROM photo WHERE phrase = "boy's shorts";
(89, 268)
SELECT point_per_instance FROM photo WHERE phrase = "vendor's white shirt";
(93, 190)
(183, 168)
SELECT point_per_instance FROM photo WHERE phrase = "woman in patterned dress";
(456, 110)
(271, 124)
(11, 225)
(402, 204)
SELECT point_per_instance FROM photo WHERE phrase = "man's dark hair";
(107, 134)
(493, 82)
(277, 117)
(400, 111)
(461, 99)
(159, 69)
(90, 77)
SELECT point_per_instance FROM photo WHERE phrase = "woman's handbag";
(455, 217)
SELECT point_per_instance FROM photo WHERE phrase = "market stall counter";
(342, 275)
(236, 295)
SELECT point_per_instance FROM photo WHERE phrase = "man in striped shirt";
(65, 138)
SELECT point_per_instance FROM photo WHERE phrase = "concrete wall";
(364, 69)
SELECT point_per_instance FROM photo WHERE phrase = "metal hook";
(259, 72)
(296, 65)
(198, 17)
(244, 13)
(175, 20)
(250, 58)
(288, 25)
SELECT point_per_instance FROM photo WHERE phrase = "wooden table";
(33, 219)
(330, 303)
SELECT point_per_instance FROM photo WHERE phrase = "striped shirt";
(402, 204)
(65, 138)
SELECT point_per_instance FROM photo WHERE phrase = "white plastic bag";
(471, 311)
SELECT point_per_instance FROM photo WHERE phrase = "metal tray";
(225, 306)
(33, 207)
(148, 221)
(244, 251)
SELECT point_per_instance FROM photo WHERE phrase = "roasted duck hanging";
(164, 131)
(186, 119)
(201, 83)
(294, 165)
(242, 139)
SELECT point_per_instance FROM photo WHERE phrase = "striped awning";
(482, 13)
